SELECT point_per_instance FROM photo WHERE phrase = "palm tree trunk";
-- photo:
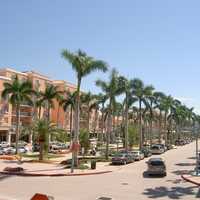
(140, 124)
(76, 129)
(151, 131)
(71, 118)
(48, 119)
(39, 113)
(126, 124)
(96, 123)
(58, 115)
(109, 130)
(160, 126)
(102, 125)
(165, 128)
(17, 126)
(41, 156)
(88, 121)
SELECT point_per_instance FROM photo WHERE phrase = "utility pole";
(196, 132)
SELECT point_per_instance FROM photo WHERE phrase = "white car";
(137, 155)
(157, 149)
(9, 151)
(4, 144)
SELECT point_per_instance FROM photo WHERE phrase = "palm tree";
(83, 65)
(42, 129)
(111, 90)
(67, 102)
(47, 98)
(166, 105)
(158, 105)
(101, 101)
(141, 92)
(88, 99)
(129, 100)
(18, 92)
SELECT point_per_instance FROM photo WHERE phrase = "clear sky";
(157, 41)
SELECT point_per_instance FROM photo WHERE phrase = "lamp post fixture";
(196, 133)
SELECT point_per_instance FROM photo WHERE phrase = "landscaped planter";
(13, 169)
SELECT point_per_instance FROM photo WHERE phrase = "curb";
(189, 180)
(52, 175)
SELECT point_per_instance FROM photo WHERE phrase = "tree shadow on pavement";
(176, 181)
(182, 172)
(171, 193)
(185, 164)
(192, 158)
(3, 177)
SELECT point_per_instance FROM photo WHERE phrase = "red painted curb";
(53, 175)
(189, 180)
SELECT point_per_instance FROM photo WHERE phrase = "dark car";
(147, 152)
(156, 166)
(122, 158)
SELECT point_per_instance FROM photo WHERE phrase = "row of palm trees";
(153, 106)
(140, 104)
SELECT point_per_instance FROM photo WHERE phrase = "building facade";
(63, 119)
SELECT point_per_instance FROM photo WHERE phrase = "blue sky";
(157, 41)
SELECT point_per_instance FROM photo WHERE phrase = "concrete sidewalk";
(53, 169)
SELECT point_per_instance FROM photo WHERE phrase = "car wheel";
(165, 174)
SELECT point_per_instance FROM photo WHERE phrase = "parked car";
(9, 151)
(22, 150)
(180, 142)
(1, 151)
(137, 155)
(58, 146)
(36, 147)
(157, 149)
(4, 144)
(163, 146)
(147, 152)
(122, 158)
(129, 153)
(156, 166)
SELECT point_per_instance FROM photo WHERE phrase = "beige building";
(27, 112)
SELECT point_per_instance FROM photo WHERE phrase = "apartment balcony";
(23, 114)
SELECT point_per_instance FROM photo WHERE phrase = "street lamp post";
(196, 132)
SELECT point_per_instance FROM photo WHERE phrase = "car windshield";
(119, 155)
(157, 163)
(135, 152)
(155, 147)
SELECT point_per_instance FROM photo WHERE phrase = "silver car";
(156, 166)
(138, 155)
(157, 149)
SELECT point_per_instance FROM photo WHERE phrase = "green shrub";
(133, 135)
(84, 140)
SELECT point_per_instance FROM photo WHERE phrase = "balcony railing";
(23, 114)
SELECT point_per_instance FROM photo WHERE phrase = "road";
(128, 183)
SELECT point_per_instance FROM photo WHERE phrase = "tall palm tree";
(166, 105)
(129, 100)
(141, 92)
(151, 102)
(69, 102)
(88, 99)
(83, 65)
(18, 92)
(158, 105)
(101, 101)
(111, 90)
(47, 98)
(42, 129)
